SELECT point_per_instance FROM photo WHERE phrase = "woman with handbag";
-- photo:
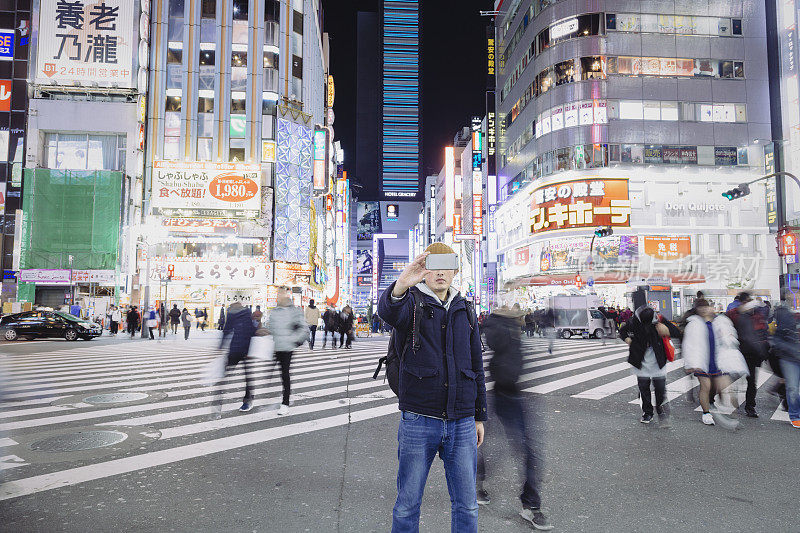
(711, 352)
(648, 355)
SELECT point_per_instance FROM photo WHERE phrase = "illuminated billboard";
(182, 188)
(293, 182)
(580, 203)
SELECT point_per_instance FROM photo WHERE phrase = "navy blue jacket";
(444, 378)
(239, 328)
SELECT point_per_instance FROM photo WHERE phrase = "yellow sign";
(142, 109)
(268, 151)
(331, 91)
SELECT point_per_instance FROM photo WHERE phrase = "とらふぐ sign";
(218, 190)
(580, 203)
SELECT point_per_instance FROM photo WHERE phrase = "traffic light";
(737, 192)
(604, 232)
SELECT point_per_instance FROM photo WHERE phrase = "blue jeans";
(420, 438)
(791, 373)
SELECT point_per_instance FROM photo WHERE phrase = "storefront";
(660, 230)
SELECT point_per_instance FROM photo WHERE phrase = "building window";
(69, 151)
(174, 65)
(175, 21)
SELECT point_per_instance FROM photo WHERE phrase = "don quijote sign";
(694, 208)
(206, 189)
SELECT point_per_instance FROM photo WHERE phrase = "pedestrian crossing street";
(49, 393)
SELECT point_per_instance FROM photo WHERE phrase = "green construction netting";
(70, 212)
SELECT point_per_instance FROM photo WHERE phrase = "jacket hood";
(505, 312)
(451, 294)
(235, 307)
(695, 318)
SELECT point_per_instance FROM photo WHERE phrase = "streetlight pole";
(476, 267)
(145, 333)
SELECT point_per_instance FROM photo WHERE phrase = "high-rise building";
(15, 33)
(637, 119)
(241, 189)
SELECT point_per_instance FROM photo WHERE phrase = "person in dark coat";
(752, 343)
(644, 333)
(221, 321)
(329, 320)
(132, 319)
(442, 392)
(345, 326)
(236, 335)
(502, 333)
(786, 344)
(174, 318)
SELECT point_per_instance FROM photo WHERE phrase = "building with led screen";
(635, 119)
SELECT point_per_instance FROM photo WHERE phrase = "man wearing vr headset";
(442, 391)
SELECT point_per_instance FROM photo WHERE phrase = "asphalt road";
(330, 464)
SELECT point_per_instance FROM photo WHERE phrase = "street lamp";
(376, 237)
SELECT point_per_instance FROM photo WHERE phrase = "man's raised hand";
(411, 275)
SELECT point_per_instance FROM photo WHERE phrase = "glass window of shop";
(673, 24)
(593, 68)
(668, 66)
(82, 151)
(585, 156)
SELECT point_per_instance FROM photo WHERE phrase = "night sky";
(453, 80)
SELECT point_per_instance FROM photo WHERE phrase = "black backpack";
(394, 353)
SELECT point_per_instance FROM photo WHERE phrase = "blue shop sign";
(7, 45)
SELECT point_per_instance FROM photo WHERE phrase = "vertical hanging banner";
(320, 159)
(771, 190)
(84, 42)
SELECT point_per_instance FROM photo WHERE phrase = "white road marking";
(82, 474)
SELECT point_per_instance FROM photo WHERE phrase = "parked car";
(33, 324)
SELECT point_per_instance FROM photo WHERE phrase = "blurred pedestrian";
(204, 319)
(287, 325)
(503, 337)
(751, 329)
(786, 344)
(645, 336)
(116, 318)
(346, 325)
(174, 318)
(186, 320)
(133, 321)
(710, 350)
(329, 325)
(257, 316)
(549, 328)
(236, 335)
(153, 320)
(312, 318)
(221, 321)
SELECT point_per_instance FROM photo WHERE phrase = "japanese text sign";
(580, 203)
(206, 189)
(229, 273)
(86, 41)
(668, 248)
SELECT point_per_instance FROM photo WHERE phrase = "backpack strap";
(470, 313)
(416, 317)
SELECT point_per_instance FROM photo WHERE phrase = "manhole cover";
(116, 397)
(82, 440)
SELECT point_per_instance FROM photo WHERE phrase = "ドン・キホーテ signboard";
(85, 42)
(580, 203)
(206, 189)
